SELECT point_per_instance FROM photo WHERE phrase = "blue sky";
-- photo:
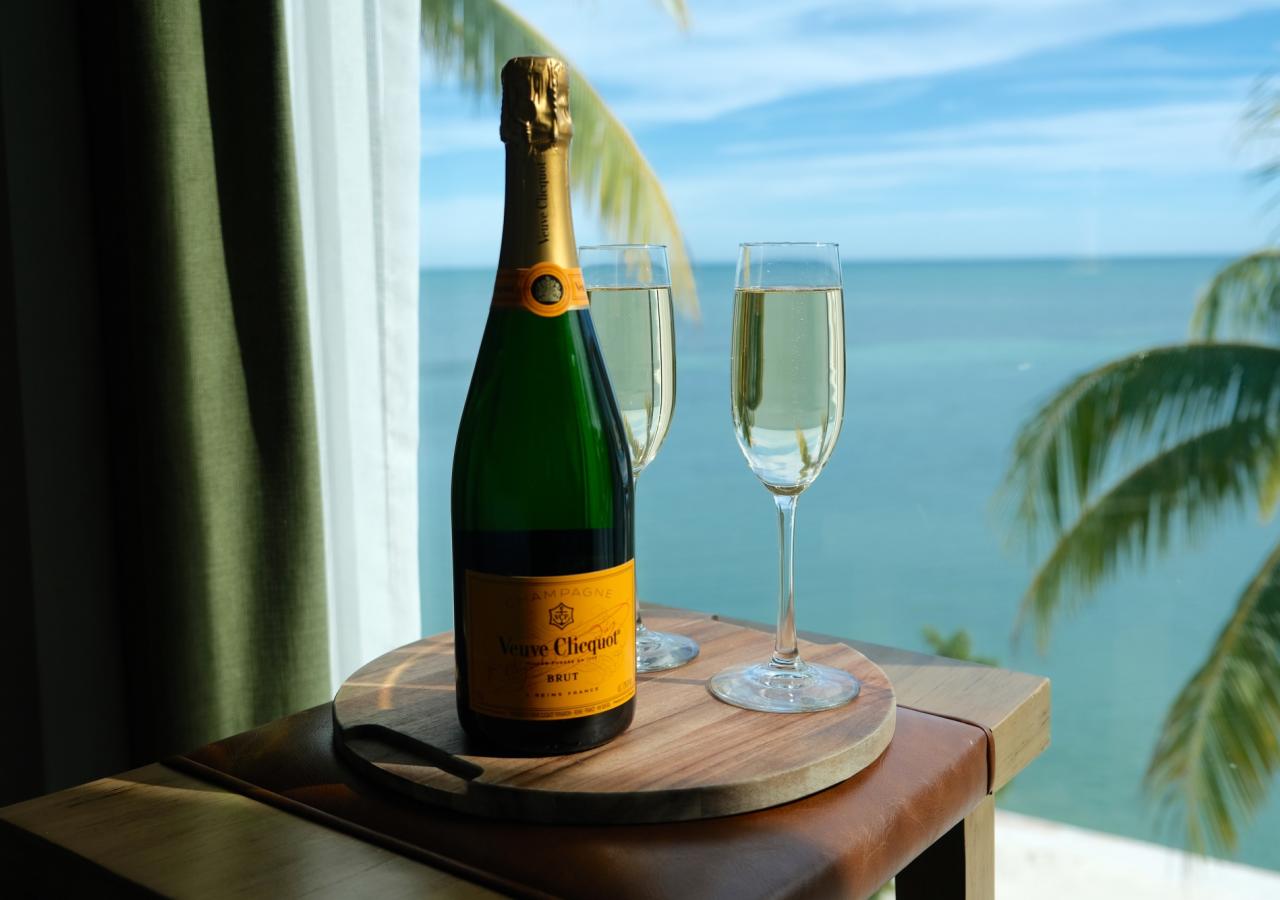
(903, 128)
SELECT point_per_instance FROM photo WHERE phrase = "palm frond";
(1178, 491)
(1219, 745)
(1262, 126)
(1242, 300)
(1137, 404)
(678, 11)
(957, 645)
(474, 39)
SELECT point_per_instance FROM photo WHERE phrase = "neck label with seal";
(545, 289)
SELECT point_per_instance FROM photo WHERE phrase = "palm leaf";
(1262, 124)
(1219, 745)
(1138, 404)
(677, 10)
(1178, 491)
(475, 39)
(957, 645)
(1243, 299)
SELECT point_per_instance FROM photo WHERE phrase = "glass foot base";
(806, 687)
(657, 651)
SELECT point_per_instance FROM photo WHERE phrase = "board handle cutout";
(444, 761)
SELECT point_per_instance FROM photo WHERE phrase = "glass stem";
(635, 482)
(786, 655)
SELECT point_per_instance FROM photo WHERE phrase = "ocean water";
(944, 362)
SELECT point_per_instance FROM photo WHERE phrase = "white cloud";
(1167, 140)
(1102, 86)
(739, 55)
(1017, 185)
(1174, 138)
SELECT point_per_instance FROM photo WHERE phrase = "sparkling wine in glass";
(630, 293)
(786, 377)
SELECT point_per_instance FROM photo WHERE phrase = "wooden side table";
(161, 830)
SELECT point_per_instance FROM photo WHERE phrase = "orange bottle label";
(545, 289)
(554, 647)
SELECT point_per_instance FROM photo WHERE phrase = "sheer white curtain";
(354, 82)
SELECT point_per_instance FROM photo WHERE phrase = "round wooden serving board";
(686, 756)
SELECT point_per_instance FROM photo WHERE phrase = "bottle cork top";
(535, 102)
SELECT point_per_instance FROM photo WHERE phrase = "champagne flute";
(787, 393)
(630, 295)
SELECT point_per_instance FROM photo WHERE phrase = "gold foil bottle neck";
(535, 102)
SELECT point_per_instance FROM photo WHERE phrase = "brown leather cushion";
(842, 842)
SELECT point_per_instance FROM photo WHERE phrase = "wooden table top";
(181, 836)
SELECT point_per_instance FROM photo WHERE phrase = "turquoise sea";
(945, 360)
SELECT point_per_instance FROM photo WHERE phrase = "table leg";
(960, 865)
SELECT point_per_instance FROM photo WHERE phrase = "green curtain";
(212, 436)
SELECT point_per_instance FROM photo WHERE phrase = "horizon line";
(947, 260)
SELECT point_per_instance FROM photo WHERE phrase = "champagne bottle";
(544, 570)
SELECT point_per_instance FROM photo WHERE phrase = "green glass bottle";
(544, 570)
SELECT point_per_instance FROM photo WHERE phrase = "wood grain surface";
(182, 837)
(686, 756)
(1013, 706)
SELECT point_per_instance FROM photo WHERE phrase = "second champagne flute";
(787, 391)
(630, 293)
